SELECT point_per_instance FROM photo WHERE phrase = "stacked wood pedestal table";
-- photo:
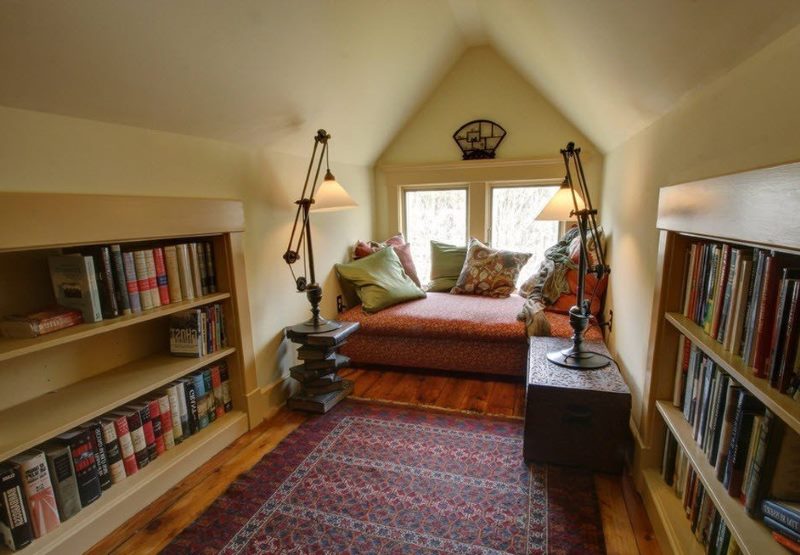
(320, 385)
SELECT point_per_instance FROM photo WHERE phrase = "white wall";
(746, 119)
(49, 153)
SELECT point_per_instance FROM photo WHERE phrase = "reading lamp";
(330, 196)
(572, 203)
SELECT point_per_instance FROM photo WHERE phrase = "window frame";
(491, 186)
(434, 187)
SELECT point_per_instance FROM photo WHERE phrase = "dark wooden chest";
(575, 417)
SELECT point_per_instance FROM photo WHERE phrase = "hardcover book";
(212, 273)
(120, 281)
(75, 284)
(201, 396)
(154, 409)
(15, 522)
(96, 437)
(185, 272)
(161, 275)
(173, 273)
(137, 437)
(190, 394)
(31, 467)
(786, 513)
(143, 410)
(105, 283)
(183, 397)
(62, 477)
(175, 412)
(186, 333)
(126, 449)
(131, 282)
(194, 260)
(165, 415)
(152, 281)
(226, 386)
(208, 387)
(142, 280)
(83, 461)
(216, 387)
(116, 467)
(40, 323)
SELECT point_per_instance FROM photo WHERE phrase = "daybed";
(465, 333)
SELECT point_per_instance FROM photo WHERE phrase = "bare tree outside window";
(433, 214)
(514, 226)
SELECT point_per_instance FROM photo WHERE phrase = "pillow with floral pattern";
(489, 272)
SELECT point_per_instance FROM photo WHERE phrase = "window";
(514, 226)
(433, 214)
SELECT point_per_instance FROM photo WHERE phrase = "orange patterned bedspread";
(449, 332)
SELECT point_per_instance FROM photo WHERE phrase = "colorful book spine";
(786, 513)
(226, 387)
(38, 489)
(131, 282)
(191, 404)
(105, 283)
(116, 467)
(203, 267)
(101, 461)
(165, 413)
(194, 260)
(152, 279)
(85, 464)
(15, 521)
(161, 275)
(175, 412)
(185, 272)
(766, 317)
(120, 281)
(210, 265)
(216, 387)
(62, 476)
(137, 437)
(143, 409)
(154, 410)
(183, 396)
(142, 280)
(173, 273)
(202, 400)
(126, 448)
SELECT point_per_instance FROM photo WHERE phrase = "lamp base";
(310, 326)
(578, 359)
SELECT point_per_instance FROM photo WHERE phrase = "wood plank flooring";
(625, 525)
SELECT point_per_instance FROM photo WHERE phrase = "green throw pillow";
(380, 280)
(446, 263)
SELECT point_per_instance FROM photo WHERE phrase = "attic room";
(430, 276)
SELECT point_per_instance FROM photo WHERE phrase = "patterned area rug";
(378, 479)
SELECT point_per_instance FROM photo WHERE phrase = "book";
(753, 306)
(717, 416)
(190, 394)
(126, 449)
(186, 333)
(208, 386)
(785, 512)
(185, 272)
(83, 461)
(75, 284)
(175, 412)
(319, 403)
(152, 279)
(739, 307)
(62, 478)
(161, 275)
(105, 283)
(747, 407)
(726, 430)
(154, 411)
(39, 323)
(98, 446)
(766, 317)
(143, 410)
(719, 289)
(116, 466)
(226, 386)
(785, 467)
(131, 282)
(786, 369)
(180, 389)
(138, 440)
(210, 266)
(752, 446)
(201, 396)
(216, 387)
(310, 352)
(774, 361)
(755, 488)
(792, 546)
(173, 274)
(142, 280)
(781, 529)
(203, 266)
(31, 467)
(15, 522)
(194, 261)
(120, 281)
(165, 415)
(327, 339)
(728, 292)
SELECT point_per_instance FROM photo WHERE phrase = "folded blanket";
(547, 285)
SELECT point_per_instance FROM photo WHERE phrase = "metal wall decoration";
(479, 139)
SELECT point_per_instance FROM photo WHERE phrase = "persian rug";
(374, 479)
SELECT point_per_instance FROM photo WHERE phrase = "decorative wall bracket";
(479, 139)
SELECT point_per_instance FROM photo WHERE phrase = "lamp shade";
(331, 196)
(561, 206)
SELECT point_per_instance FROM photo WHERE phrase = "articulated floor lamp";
(571, 204)
(329, 197)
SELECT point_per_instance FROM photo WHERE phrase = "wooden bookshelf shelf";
(786, 408)
(86, 528)
(661, 499)
(11, 348)
(751, 535)
(52, 413)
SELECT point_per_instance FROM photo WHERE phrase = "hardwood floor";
(625, 525)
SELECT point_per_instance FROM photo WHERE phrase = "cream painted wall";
(481, 85)
(48, 153)
(746, 119)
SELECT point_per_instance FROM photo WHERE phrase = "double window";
(442, 214)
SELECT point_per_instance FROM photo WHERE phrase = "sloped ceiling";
(270, 72)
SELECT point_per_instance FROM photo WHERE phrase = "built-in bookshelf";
(746, 211)
(54, 382)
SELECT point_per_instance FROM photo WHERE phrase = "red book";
(722, 280)
(786, 371)
(791, 545)
(766, 316)
(40, 323)
(166, 420)
(216, 387)
(694, 281)
(161, 275)
(143, 410)
(137, 435)
(155, 419)
(125, 443)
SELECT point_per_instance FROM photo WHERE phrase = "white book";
(145, 291)
(175, 412)
(183, 409)
(194, 258)
(75, 284)
(173, 274)
(185, 270)
(152, 279)
(740, 306)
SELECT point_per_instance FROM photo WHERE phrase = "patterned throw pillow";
(489, 272)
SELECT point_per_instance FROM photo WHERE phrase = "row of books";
(707, 525)
(45, 486)
(749, 301)
(198, 332)
(743, 440)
